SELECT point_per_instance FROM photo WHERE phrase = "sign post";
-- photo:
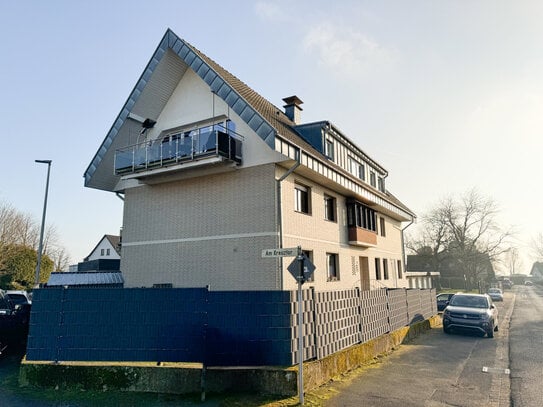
(300, 279)
(301, 269)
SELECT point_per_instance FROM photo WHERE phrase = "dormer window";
(381, 184)
(329, 149)
(373, 179)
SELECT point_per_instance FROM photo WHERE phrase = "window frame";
(335, 266)
(329, 149)
(382, 227)
(378, 268)
(330, 212)
(385, 270)
(301, 205)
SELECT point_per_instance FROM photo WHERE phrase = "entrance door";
(364, 273)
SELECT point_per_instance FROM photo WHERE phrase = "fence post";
(60, 324)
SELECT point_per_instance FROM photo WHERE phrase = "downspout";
(403, 246)
(279, 210)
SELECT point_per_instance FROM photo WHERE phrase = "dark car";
(474, 312)
(14, 321)
(443, 300)
(507, 284)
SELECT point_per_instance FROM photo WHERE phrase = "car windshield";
(469, 301)
(18, 298)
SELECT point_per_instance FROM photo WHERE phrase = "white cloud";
(270, 11)
(346, 51)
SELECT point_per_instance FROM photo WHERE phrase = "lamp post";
(38, 266)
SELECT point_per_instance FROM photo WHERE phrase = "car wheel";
(490, 332)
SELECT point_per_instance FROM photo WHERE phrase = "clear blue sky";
(447, 95)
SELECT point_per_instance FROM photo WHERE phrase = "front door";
(364, 274)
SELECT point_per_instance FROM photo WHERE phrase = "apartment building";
(212, 174)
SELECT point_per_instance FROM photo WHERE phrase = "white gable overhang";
(150, 95)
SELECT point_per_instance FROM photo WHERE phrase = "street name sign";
(287, 252)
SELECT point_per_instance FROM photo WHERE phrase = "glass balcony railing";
(179, 147)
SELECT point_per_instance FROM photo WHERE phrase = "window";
(329, 149)
(385, 269)
(101, 252)
(332, 266)
(329, 208)
(357, 169)
(301, 198)
(361, 216)
(107, 252)
(309, 255)
(377, 268)
(372, 179)
(382, 226)
(362, 172)
(399, 269)
(381, 184)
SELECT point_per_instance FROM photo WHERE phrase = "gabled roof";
(113, 240)
(264, 118)
(259, 114)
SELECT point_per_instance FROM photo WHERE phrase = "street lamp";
(38, 266)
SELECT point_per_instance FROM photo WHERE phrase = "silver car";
(496, 294)
(475, 312)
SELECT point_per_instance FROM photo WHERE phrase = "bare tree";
(464, 232)
(512, 261)
(537, 247)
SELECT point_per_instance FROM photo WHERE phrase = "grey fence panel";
(309, 327)
(428, 303)
(338, 321)
(374, 314)
(397, 307)
(414, 308)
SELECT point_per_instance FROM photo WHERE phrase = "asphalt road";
(526, 348)
(436, 370)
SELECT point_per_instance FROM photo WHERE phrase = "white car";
(496, 294)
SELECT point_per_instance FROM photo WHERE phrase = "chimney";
(293, 109)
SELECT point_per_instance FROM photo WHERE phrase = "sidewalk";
(432, 370)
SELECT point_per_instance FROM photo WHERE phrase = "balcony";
(174, 149)
(362, 237)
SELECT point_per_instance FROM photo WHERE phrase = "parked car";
(496, 294)
(507, 284)
(475, 312)
(14, 321)
(528, 282)
(19, 296)
(443, 300)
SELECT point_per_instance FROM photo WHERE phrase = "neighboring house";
(420, 273)
(213, 174)
(101, 268)
(537, 271)
(109, 247)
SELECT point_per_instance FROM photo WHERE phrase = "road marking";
(496, 370)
